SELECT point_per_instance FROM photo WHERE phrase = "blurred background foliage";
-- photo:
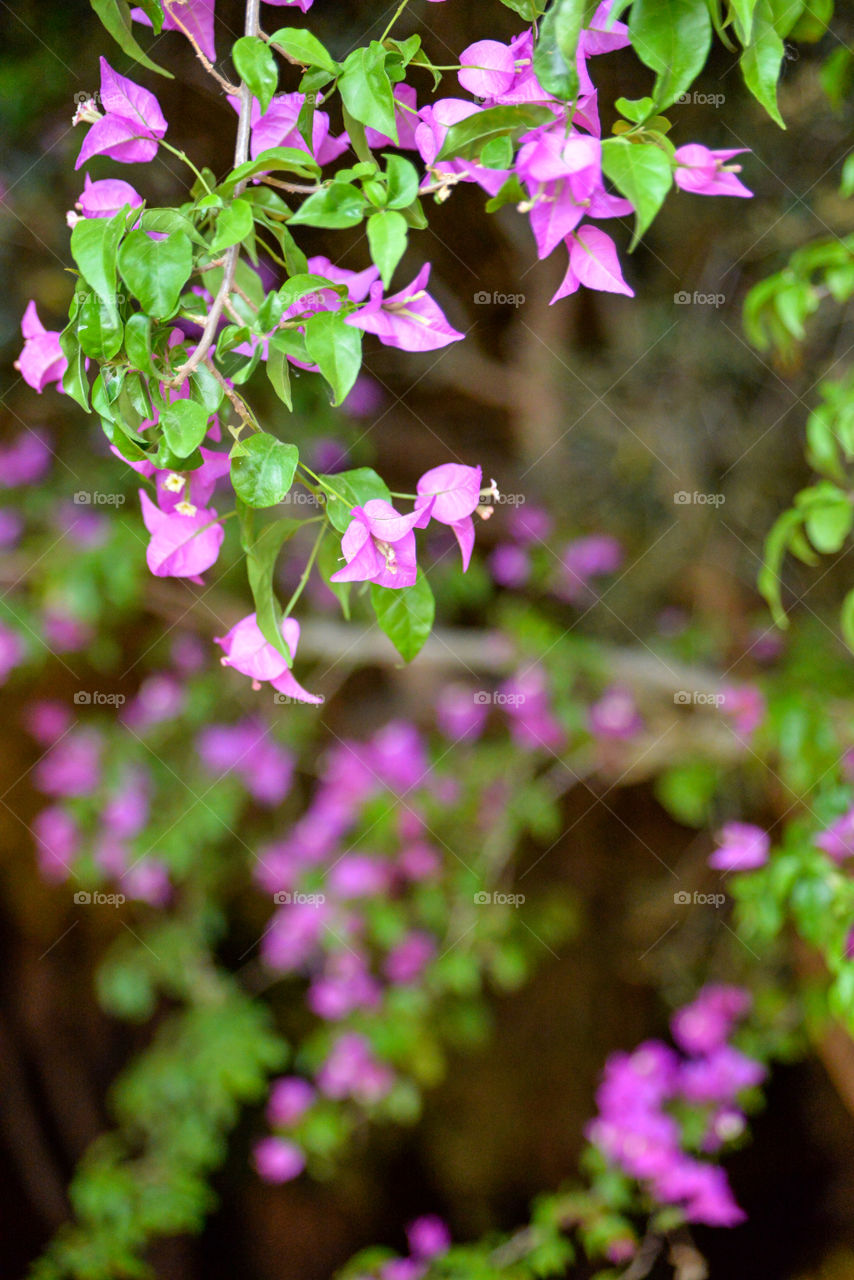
(599, 409)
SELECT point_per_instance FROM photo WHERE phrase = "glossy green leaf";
(256, 67)
(387, 234)
(762, 60)
(263, 469)
(305, 48)
(350, 489)
(115, 16)
(366, 90)
(642, 173)
(405, 614)
(467, 138)
(184, 424)
(673, 38)
(336, 206)
(156, 271)
(336, 348)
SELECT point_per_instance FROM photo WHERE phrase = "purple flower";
(379, 546)
(706, 173)
(409, 320)
(450, 494)
(406, 119)
(428, 1237)
(593, 262)
(525, 699)
(57, 842)
(358, 876)
(246, 750)
(744, 706)
(47, 720)
(25, 460)
(529, 524)
(407, 961)
(106, 197)
(344, 986)
(741, 847)
(126, 813)
(488, 68)
(720, 1076)
(352, 1071)
(249, 653)
(838, 840)
(11, 652)
(278, 127)
(41, 361)
(160, 697)
(132, 125)
(461, 712)
(72, 767)
(293, 936)
(602, 34)
(63, 632)
(615, 715)
(195, 18)
(586, 558)
(184, 543)
(290, 1098)
(702, 1190)
(706, 1024)
(278, 1160)
(147, 881)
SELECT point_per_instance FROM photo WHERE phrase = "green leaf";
(305, 48)
(278, 370)
(256, 67)
(336, 348)
(184, 424)
(846, 618)
(262, 552)
(366, 90)
(233, 225)
(329, 560)
(641, 172)
(405, 614)
(742, 12)
(138, 343)
(156, 271)
(387, 234)
(554, 56)
(762, 59)
(262, 469)
(777, 543)
(74, 379)
(94, 244)
(673, 38)
(402, 179)
(99, 328)
(350, 489)
(167, 221)
(530, 10)
(467, 138)
(274, 160)
(115, 16)
(828, 515)
(336, 206)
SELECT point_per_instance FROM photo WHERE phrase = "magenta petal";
(593, 255)
(456, 489)
(464, 534)
(119, 139)
(384, 522)
(488, 68)
(249, 653)
(555, 214)
(183, 546)
(400, 569)
(104, 198)
(290, 687)
(122, 97)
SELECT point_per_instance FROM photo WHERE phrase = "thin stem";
(230, 88)
(396, 15)
(237, 402)
(182, 155)
(306, 573)
(241, 154)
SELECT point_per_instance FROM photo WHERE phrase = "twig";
(241, 154)
(229, 88)
(237, 403)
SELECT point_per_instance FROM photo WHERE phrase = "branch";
(229, 88)
(241, 154)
